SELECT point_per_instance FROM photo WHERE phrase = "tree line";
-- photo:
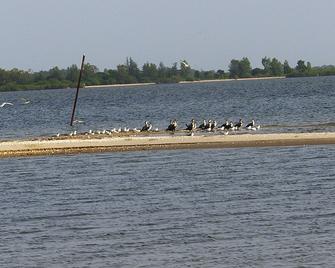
(130, 72)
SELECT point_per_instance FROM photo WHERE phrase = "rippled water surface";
(280, 105)
(257, 207)
(242, 207)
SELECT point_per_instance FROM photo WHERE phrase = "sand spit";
(187, 82)
(84, 144)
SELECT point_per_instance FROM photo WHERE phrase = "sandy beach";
(187, 82)
(84, 144)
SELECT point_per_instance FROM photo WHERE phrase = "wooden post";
(78, 86)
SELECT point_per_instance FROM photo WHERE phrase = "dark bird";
(192, 126)
(239, 124)
(203, 125)
(147, 126)
(172, 126)
(251, 124)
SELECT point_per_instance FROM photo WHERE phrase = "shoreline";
(186, 82)
(83, 144)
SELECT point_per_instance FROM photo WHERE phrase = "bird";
(25, 101)
(214, 125)
(78, 121)
(225, 125)
(172, 126)
(6, 103)
(192, 126)
(147, 126)
(239, 124)
(209, 125)
(203, 125)
(184, 62)
(135, 130)
(251, 124)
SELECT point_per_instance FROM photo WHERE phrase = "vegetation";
(129, 72)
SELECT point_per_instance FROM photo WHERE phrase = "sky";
(41, 34)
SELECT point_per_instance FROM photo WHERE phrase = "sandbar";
(84, 144)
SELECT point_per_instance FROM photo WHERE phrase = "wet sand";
(93, 144)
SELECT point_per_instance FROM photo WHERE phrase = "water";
(259, 207)
(284, 105)
(245, 207)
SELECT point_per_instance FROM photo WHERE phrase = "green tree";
(266, 62)
(72, 73)
(133, 69)
(301, 67)
(276, 67)
(245, 68)
(286, 67)
(234, 68)
(149, 72)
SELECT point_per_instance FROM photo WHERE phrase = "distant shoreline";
(90, 144)
(186, 82)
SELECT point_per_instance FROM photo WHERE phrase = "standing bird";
(203, 125)
(147, 126)
(239, 124)
(214, 125)
(192, 126)
(251, 124)
(225, 125)
(172, 126)
(209, 125)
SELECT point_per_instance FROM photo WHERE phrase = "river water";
(245, 207)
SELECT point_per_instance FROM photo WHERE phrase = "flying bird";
(184, 62)
(25, 101)
(6, 103)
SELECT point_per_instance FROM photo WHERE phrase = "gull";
(5, 103)
(25, 101)
(185, 63)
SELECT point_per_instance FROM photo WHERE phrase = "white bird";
(25, 101)
(6, 103)
(185, 63)
(136, 130)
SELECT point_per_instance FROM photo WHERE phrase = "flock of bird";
(208, 126)
(212, 125)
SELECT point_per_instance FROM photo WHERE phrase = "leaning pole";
(77, 93)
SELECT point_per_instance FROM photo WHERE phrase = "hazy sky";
(40, 34)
